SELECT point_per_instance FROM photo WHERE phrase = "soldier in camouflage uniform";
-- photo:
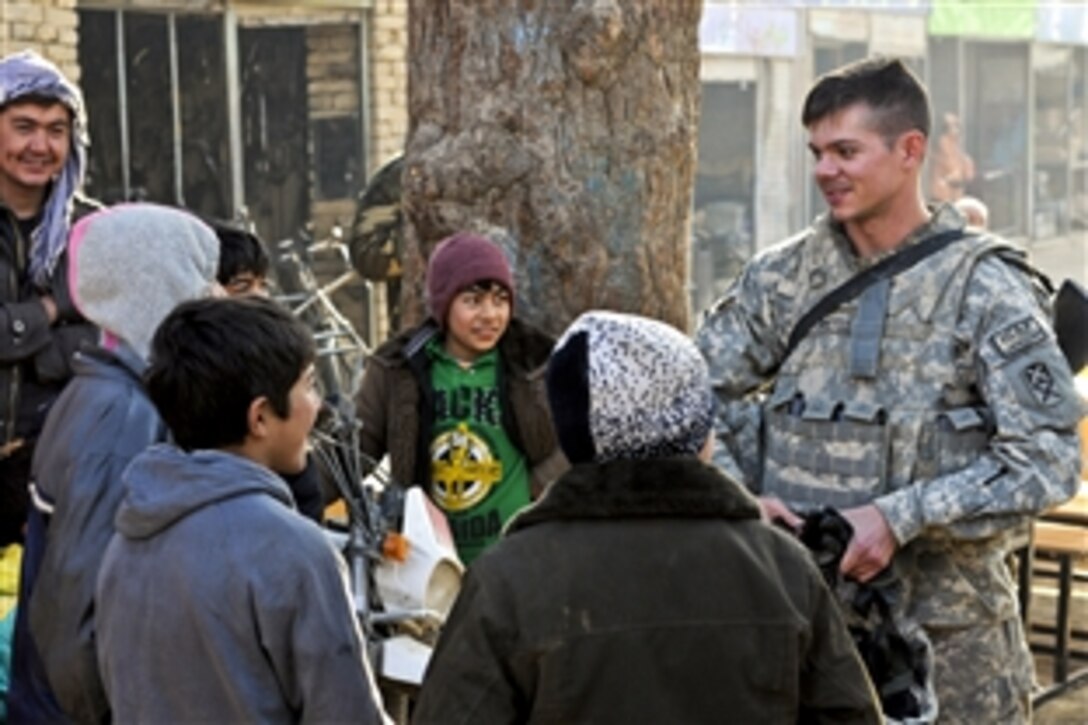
(935, 411)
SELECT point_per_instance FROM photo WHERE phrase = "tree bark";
(565, 131)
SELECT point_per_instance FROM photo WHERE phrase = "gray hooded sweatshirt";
(218, 602)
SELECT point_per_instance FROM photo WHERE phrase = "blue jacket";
(100, 422)
(217, 602)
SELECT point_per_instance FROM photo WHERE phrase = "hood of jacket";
(679, 486)
(120, 363)
(164, 484)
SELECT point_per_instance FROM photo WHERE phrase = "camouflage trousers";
(983, 674)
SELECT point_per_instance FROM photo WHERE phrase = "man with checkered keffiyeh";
(43, 151)
(43, 145)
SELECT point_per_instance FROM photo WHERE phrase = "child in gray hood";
(128, 267)
(241, 605)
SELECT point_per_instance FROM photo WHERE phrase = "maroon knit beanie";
(461, 261)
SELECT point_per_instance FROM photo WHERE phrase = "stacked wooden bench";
(1067, 544)
(1060, 536)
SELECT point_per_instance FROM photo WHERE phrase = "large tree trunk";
(564, 130)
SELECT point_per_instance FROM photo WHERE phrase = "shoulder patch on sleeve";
(1017, 337)
(1041, 384)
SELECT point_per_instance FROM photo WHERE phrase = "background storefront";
(231, 113)
(280, 110)
(1014, 74)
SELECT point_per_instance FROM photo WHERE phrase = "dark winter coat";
(35, 361)
(35, 357)
(100, 422)
(645, 591)
(396, 407)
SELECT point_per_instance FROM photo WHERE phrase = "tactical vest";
(881, 393)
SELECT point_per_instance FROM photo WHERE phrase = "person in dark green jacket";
(643, 586)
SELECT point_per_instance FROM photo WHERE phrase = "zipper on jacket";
(16, 369)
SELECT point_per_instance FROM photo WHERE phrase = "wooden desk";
(1074, 511)
(1062, 534)
(1067, 544)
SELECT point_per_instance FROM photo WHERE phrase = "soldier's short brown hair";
(897, 98)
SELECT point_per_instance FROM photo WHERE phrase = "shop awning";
(983, 18)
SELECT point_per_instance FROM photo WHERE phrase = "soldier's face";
(35, 141)
(861, 177)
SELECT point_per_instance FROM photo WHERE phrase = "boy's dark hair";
(239, 251)
(897, 98)
(211, 358)
(43, 100)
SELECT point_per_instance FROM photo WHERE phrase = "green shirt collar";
(436, 349)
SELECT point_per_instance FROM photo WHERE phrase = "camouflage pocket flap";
(783, 393)
(961, 419)
(819, 409)
(863, 411)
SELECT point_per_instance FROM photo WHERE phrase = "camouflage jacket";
(967, 421)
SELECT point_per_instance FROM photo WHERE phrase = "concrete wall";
(1062, 257)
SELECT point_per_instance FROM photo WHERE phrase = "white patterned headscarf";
(626, 386)
(29, 74)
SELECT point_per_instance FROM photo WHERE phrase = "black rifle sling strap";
(853, 287)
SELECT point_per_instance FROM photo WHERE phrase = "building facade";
(280, 110)
(1012, 74)
(274, 110)
(266, 111)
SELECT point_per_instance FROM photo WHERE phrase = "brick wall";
(51, 28)
(332, 76)
(46, 26)
(388, 80)
(388, 107)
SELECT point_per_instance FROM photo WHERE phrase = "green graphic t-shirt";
(478, 477)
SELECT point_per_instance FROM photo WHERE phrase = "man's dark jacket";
(645, 591)
(35, 360)
(35, 357)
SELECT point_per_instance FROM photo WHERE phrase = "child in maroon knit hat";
(458, 403)
(459, 262)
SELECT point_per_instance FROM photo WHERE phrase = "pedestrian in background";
(974, 212)
(243, 272)
(951, 167)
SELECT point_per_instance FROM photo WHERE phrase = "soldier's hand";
(773, 510)
(872, 546)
